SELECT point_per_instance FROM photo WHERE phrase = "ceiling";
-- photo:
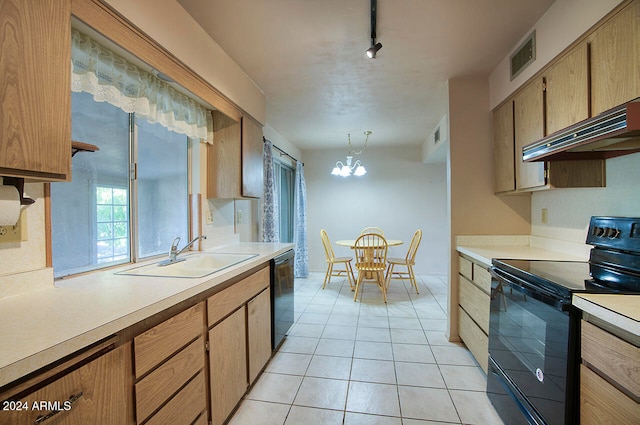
(308, 57)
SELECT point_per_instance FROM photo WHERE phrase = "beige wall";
(474, 208)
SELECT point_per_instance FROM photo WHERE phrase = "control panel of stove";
(621, 233)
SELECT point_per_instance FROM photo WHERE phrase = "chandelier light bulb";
(350, 167)
(360, 171)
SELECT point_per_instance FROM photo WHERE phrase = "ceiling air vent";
(523, 56)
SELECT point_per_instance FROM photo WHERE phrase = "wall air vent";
(523, 56)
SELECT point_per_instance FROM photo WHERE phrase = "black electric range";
(534, 332)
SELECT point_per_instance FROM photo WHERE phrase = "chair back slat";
(375, 230)
(413, 247)
(371, 252)
(326, 243)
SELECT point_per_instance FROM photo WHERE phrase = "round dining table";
(351, 243)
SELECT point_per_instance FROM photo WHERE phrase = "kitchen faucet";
(174, 252)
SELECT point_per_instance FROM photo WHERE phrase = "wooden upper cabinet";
(35, 89)
(567, 90)
(223, 158)
(528, 107)
(503, 148)
(252, 177)
(615, 60)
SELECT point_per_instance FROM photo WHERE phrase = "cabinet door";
(615, 60)
(529, 126)
(93, 394)
(35, 89)
(252, 168)
(259, 332)
(227, 365)
(503, 148)
(567, 90)
(223, 158)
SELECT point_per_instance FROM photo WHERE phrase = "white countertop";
(42, 326)
(622, 311)
(485, 253)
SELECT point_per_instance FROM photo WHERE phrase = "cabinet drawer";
(98, 388)
(475, 303)
(155, 345)
(465, 267)
(482, 278)
(602, 403)
(474, 338)
(226, 301)
(613, 357)
(157, 387)
(185, 407)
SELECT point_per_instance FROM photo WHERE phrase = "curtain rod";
(264, 139)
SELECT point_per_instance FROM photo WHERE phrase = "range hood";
(613, 133)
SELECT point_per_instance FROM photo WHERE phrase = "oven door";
(531, 341)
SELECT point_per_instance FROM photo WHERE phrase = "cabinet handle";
(72, 400)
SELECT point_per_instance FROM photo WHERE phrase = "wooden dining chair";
(376, 230)
(371, 258)
(407, 262)
(332, 260)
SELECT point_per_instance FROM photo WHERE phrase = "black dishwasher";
(282, 278)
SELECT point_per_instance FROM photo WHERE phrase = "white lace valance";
(110, 78)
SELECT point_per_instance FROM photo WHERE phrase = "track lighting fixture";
(371, 51)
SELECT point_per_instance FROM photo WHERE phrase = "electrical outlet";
(209, 217)
(544, 216)
(239, 217)
(17, 233)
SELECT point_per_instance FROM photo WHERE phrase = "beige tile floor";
(369, 363)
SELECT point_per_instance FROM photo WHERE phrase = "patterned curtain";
(301, 265)
(270, 215)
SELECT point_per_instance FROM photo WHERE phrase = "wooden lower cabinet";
(227, 365)
(160, 385)
(259, 333)
(170, 364)
(95, 393)
(186, 406)
(602, 403)
(474, 338)
(609, 378)
(474, 289)
(239, 340)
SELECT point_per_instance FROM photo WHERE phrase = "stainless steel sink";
(193, 266)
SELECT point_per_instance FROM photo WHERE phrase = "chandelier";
(350, 167)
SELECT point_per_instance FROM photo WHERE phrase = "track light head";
(371, 51)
